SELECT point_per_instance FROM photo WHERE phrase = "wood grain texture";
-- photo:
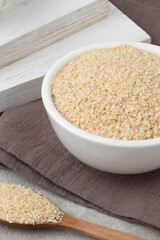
(38, 23)
(94, 230)
(20, 82)
(91, 229)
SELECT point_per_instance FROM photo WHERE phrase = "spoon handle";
(94, 230)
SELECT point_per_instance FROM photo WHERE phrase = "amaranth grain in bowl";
(111, 92)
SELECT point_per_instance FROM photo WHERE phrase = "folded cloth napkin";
(29, 146)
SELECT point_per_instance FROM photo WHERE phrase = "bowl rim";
(61, 121)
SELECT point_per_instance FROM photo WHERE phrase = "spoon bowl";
(39, 212)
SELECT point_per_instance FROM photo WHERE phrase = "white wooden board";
(20, 82)
(29, 25)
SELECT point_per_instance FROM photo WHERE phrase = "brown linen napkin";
(29, 146)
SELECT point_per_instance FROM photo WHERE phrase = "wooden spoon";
(73, 223)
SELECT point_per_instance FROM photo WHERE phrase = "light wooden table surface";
(7, 233)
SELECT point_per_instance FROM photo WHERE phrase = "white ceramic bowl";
(115, 156)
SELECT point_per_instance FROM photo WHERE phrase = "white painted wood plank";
(36, 24)
(20, 82)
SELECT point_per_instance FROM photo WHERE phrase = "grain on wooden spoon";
(24, 208)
